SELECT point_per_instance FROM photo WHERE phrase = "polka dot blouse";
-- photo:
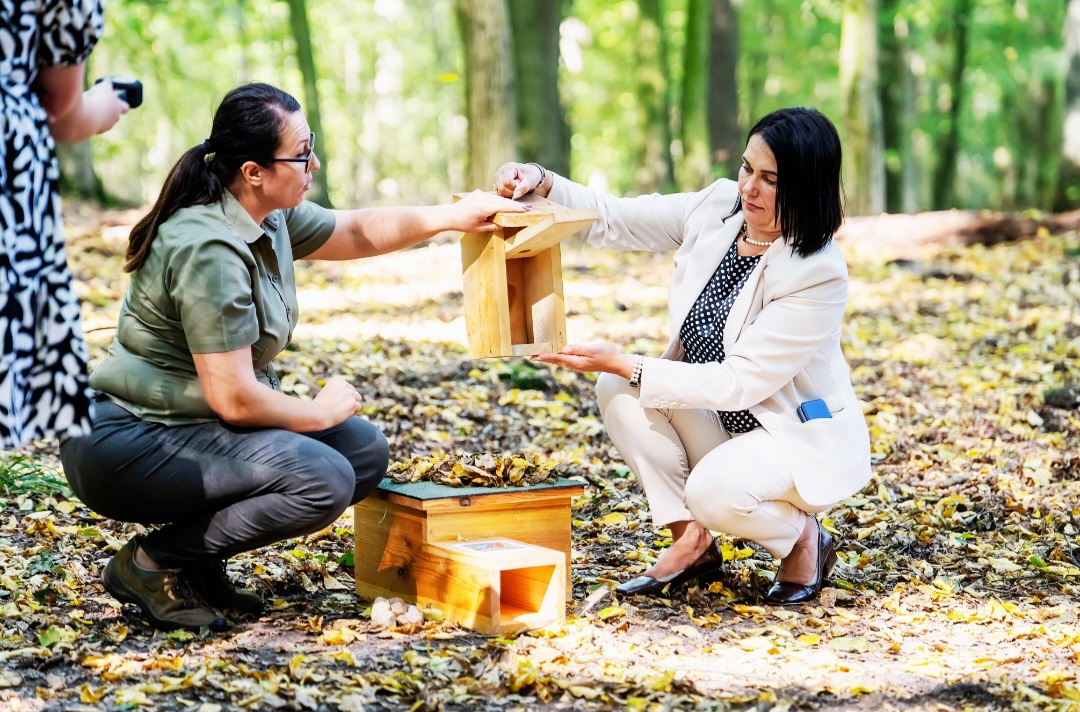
(703, 330)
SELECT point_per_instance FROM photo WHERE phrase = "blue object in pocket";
(811, 410)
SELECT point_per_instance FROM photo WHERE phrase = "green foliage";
(49, 637)
(390, 91)
(43, 563)
(521, 375)
(22, 473)
(392, 95)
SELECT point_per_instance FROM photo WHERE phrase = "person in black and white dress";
(43, 373)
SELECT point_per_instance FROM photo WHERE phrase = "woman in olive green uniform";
(190, 427)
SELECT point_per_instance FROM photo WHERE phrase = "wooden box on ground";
(402, 531)
(512, 280)
(494, 586)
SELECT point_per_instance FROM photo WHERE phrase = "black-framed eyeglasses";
(306, 160)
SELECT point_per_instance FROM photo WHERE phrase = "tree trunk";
(864, 167)
(904, 237)
(725, 134)
(897, 95)
(948, 147)
(1033, 144)
(489, 89)
(1047, 140)
(77, 175)
(655, 172)
(755, 62)
(541, 121)
(695, 170)
(239, 12)
(305, 55)
(1067, 194)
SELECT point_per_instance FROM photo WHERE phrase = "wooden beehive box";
(513, 280)
(408, 544)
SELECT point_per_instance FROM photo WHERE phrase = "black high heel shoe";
(786, 593)
(710, 560)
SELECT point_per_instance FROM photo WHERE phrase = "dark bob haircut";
(808, 191)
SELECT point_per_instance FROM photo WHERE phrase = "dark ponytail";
(247, 127)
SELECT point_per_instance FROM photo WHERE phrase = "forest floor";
(958, 582)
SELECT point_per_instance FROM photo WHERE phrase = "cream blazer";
(781, 340)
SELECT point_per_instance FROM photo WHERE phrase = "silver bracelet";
(543, 174)
(635, 377)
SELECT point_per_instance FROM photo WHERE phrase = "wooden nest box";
(513, 280)
(496, 560)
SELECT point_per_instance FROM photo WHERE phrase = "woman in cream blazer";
(716, 436)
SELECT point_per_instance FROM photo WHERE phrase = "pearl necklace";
(750, 241)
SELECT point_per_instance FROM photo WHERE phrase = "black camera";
(128, 89)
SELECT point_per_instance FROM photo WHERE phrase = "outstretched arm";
(592, 358)
(377, 231)
(647, 222)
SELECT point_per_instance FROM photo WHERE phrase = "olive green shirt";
(214, 281)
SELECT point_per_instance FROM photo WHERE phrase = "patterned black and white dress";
(43, 377)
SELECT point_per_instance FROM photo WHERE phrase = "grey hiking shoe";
(212, 585)
(164, 595)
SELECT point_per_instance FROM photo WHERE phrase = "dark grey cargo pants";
(218, 489)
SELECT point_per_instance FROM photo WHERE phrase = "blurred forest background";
(940, 103)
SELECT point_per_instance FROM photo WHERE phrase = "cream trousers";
(693, 469)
